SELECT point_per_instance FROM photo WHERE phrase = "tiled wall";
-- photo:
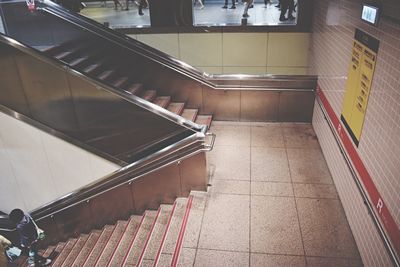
(248, 53)
(333, 30)
(36, 168)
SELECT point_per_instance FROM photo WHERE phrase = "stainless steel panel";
(162, 186)
(259, 105)
(113, 205)
(47, 92)
(296, 106)
(224, 105)
(194, 174)
(11, 90)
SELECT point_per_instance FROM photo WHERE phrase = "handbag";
(13, 253)
(40, 233)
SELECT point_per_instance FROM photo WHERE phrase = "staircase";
(94, 60)
(153, 239)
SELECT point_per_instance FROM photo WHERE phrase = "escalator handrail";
(126, 95)
(215, 81)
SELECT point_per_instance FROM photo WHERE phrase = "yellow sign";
(359, 81)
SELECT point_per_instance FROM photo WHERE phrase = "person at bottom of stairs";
(28, 235)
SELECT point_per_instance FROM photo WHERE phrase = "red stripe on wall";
(376, 199)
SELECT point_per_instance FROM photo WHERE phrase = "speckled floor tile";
(236, 135)
(269, 164)
(192, 233)
(229, 163)
(272, 189)
(325, 229)
(308, 166)
(267, 136)
(299, 136)
(207, 258)
(333, 262)
(268, 260)
(315, 190)
(226, 223)
(274, 226)
(230, 187)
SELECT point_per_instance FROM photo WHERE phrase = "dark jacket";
(27, 231)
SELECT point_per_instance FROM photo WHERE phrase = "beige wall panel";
(211, 70)
(245, 49)
(288, 49)
(201, 49)
(134, 36)
(244, 70)
(287, 70)
(167, 43)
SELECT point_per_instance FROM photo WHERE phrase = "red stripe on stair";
(148, 238)
(133, 240)
(178, 247)
(119, 241)
(164, 236)
(105, 245)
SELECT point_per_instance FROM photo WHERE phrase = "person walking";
(200, 2)
(233, 4)
(29, 236)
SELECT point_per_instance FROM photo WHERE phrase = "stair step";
(79, 244)
(149, 95)
(48, 251)
(49, 49)
(112, 243)
(125, 241)
(135, 88)
(204, 120)
(85, 251)
(105, 75)
(99, 246)
(120, 82)
(176, 107)
(176, 222)
(78, 61)
(158, 233)
(189, 113)
(162, 101)
(62, 55)
(92, 68)
(136, 248)
(64, 253)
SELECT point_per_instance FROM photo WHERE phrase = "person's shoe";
(291, 18)
(126, 9)
(46, 262)
(232, 7)
(141, 13)
(225, 7)
(278, 6)
(283, 19)
(246, 15)
(202, 7)
(251, 6)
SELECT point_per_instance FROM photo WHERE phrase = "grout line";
(201, 228)
(295, 205)
(133, 239)
(250, 196)
(119, 242)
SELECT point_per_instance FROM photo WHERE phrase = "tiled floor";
(211, 15)
(271, 202)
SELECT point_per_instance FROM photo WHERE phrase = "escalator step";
(189, 114)
(204, 120)
(120, 82)
(149, 95)
(78, 61)
(105, 75)
(176, 107)
(91, 68)
(62, 55)
(162, 101)
(135, 89)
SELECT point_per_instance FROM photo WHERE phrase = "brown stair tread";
(204, 120)
(105, 75)
(162, 101)
(99, 246)
(135, 88)
(79, 244)
(85, 251)
(64, 253)
(189, 113)
(149, 95)
(176, 107)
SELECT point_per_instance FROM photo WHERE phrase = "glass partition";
(241, 12)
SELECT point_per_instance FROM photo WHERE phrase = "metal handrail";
(367, 202)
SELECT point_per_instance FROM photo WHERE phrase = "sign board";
(370, 14)
(359, 82)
